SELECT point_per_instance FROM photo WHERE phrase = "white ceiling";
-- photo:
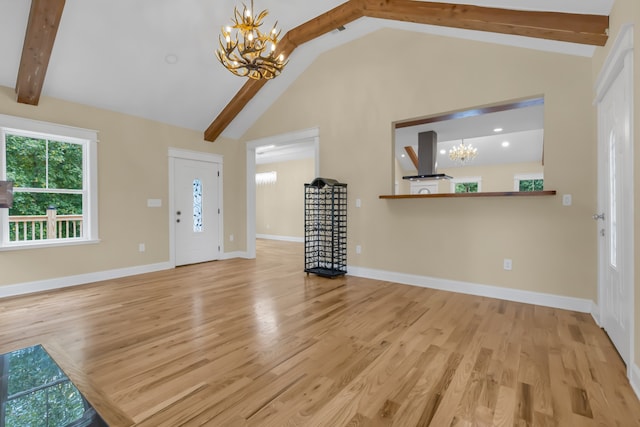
(111, 53)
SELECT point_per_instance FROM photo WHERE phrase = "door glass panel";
(613, 213)
(197, 206)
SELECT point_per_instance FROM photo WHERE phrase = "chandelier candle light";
(463, 153)
(246, 51)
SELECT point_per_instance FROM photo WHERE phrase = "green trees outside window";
(466, 187)
(45, 173)
(531, 185)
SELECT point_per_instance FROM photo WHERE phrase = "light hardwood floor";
(259, 343)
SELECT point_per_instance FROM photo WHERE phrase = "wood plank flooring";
(259, 343)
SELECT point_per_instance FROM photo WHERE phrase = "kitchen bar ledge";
(481, 194)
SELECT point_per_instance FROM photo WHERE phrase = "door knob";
(598, 216)
(177, 220)
(178, 213)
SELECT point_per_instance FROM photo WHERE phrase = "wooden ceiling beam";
(329, 21)
(44, 19)
(412, 155)
(566, 27)
(575, 28)
(233, 108)
(470, 113)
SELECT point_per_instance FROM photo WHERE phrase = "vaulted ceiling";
(155, 58)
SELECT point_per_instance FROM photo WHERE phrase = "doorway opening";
(277, 150)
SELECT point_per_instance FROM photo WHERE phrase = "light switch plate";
(154, 203)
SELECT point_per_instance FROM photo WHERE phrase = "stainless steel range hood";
(427, 153)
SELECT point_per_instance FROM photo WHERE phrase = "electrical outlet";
(507, 264)
(358, 249)
(566, 200)
(141, 247)
(358, 203)
(231, 237)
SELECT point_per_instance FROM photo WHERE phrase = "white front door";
(615, 215)
(197, 207)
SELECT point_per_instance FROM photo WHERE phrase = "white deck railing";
(41, 227)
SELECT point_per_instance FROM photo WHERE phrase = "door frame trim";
(176, 153)
(622, 47)
(619, 62)
(311, 135)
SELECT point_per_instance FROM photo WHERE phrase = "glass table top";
(35, 392)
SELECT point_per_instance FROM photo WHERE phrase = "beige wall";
(132, 167)
(623, 12)
(494, 177)
(280, 206)
(354, 97)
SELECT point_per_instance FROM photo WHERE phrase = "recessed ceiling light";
(497, 130)
(443, 151)
(505, 143)
(171, 58)
(402, 155)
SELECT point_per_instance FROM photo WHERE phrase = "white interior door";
(197, 207)
(615, 216)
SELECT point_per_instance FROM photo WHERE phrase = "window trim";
(89, 141)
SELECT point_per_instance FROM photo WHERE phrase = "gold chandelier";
(248, 52)
(463, 153)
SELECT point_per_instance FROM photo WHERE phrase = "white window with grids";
(528, 182)
(53, 169)
(468, 184)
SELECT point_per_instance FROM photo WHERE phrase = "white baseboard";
(237, 254)
(547, 300)
(635, 379)
(80, 279)
(595, 313)
(280, 238)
